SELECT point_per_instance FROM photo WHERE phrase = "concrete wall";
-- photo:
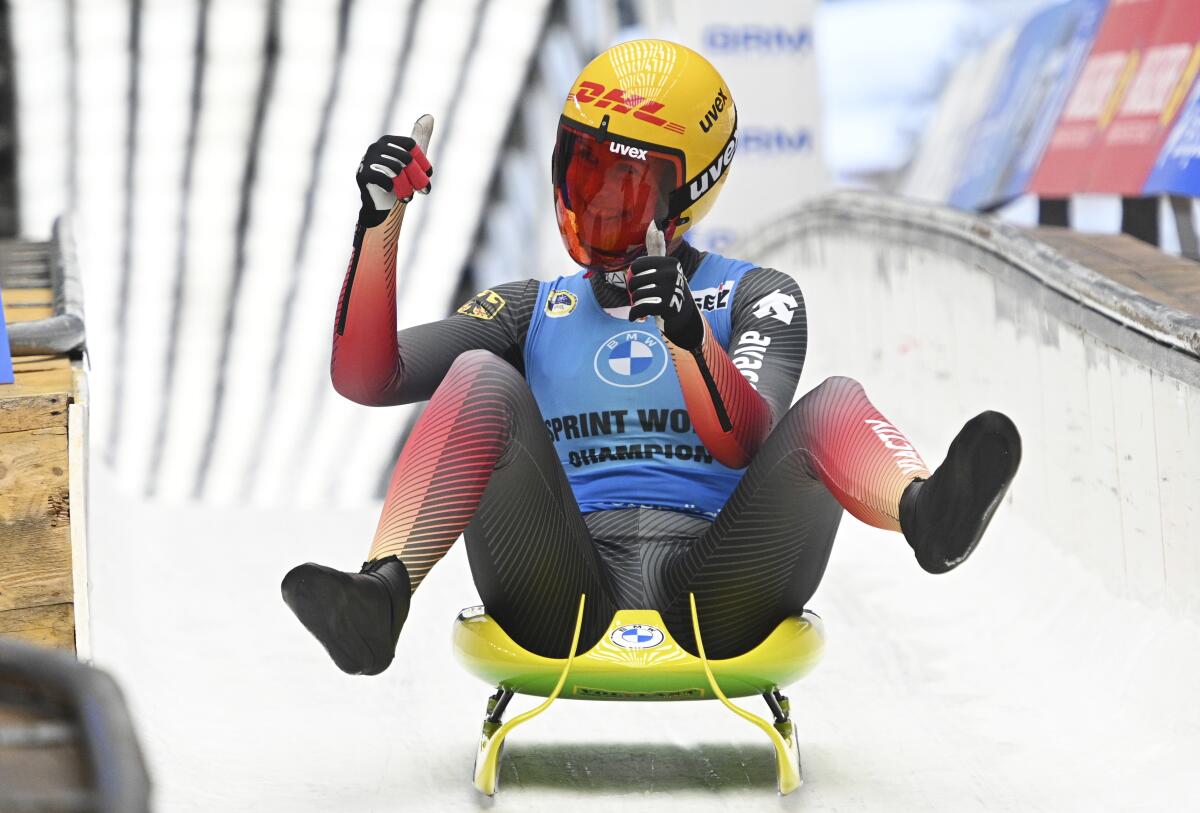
(942, 314)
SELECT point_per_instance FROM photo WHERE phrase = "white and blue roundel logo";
(637, 636)
(632, 358)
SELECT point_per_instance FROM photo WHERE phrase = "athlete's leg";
(764, 556)
(481, 439)
(530, 551)
(767, 551)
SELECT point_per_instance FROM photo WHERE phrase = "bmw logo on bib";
(632, 358)
(637, 636)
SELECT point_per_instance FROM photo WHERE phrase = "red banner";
(1092, 106)
(1165, 71)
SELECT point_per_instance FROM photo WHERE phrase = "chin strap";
(616, 278)
(610, 276)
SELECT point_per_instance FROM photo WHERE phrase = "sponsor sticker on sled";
(637, 636)
(610, 694)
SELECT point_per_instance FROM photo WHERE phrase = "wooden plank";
(27, 304)
(32, 412)
(38, 378)
(51, 625)
(1172, 281)
(35, 542)
(27, 296)
(29, 370)
(26, 313)
(38, 381)
(34, 362)
(38, 397)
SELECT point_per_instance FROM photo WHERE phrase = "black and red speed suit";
(485, 461)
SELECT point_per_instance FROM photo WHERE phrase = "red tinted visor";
(607, 189)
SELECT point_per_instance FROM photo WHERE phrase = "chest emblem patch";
(631, 358)
(560, 303)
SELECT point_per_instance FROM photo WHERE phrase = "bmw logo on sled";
(637, 636)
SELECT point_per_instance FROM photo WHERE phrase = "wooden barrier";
(37, 574)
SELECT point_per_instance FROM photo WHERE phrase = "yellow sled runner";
(637, 659)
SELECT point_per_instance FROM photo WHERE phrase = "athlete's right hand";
(392, 169)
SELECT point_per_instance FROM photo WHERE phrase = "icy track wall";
(942, 314)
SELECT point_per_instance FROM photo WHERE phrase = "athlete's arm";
(731, 419)
(729, 415)
(735, 398)
(769, 335)
(372, 364)
(375, 365)
(496, 319)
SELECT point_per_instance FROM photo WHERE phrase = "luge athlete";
(582, 447)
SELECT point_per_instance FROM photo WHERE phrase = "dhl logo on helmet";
(620, 101)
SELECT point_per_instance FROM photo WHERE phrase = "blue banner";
(1059, 74)
(1177, 170)
(1007, 142)
(6, 368)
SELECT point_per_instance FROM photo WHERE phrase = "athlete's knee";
(837, 384)
(482, 365)
(833, 388)
(488, 377)
(829, 394)
(475, 360)
(806, 422)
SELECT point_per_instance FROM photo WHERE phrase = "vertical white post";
(77, 466)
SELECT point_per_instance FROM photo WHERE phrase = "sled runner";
(637, 659)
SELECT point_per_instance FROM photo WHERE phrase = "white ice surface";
(1017, 682)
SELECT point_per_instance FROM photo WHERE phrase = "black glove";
(392, 169)
(658, 287)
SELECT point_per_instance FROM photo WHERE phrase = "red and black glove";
(658, 287)
(392, 169)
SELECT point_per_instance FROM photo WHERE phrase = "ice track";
(1055, 671)
(1015, 683)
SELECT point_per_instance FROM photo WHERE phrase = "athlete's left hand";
(658, 288)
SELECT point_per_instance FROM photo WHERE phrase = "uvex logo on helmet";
(713, 113)
(625, 149)
(713, 172)
(595, 94)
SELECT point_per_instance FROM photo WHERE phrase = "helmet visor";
(607, 189)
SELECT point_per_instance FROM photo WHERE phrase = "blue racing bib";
(611, 400)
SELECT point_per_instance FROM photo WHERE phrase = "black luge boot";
(356, 616)
(943, 517)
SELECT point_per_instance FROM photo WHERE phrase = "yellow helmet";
(648, 131)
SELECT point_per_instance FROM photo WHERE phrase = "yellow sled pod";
(637, 659)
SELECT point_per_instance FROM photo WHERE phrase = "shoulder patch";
(777, 305)
(484, 305)
(560, 303)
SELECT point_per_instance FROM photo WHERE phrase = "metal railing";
(25, 264)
